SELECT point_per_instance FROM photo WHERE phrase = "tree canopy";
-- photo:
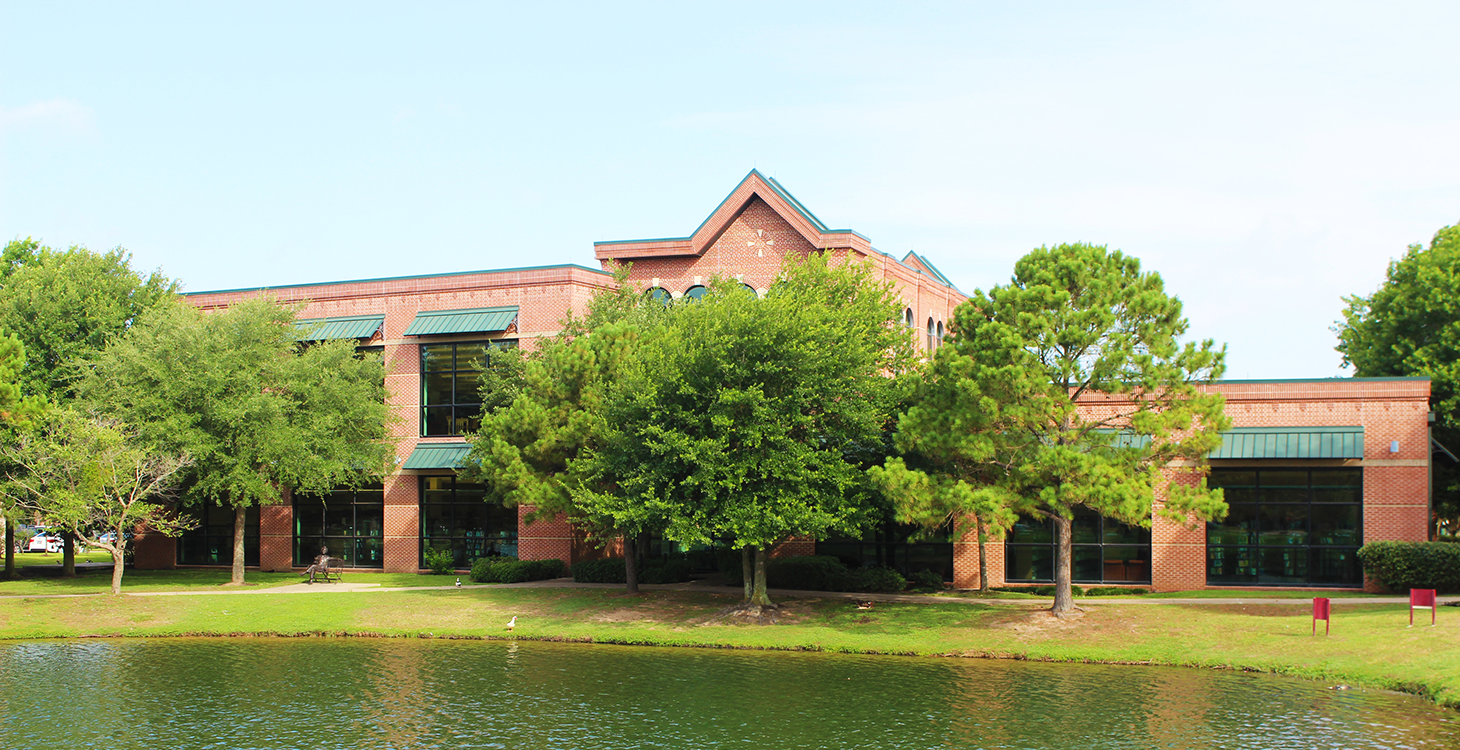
(1000, 425)
(233, 391)
(1410, 326)
(63, 305)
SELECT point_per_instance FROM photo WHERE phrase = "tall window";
(211, 541)
(456, 516)
(940, 333)
(893, 544)
(932, 343)
(451, 379)
(350, 522)
(695, 292)
(1287, 527)
(907, 318)
(1104, 550)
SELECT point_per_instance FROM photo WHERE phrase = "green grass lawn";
(26, 559)
(1369, 645)
(96, 582)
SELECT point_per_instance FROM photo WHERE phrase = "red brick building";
(1358, 448)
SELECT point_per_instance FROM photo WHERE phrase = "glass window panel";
(436, 484)
(369, 553)
(1284, 565)
(1282, 525)
(1087, 564)
(1353, 495)
(1127, 564)
(1028, 530)
(1285, 478)
(436, 357)
(1338, 478)
(1239, 494)
(1335, 567)
(1232, 478)
(309, 519)
(467, 520)
(343, 548)
(436, 389)
(468, 419)
(468, 388)
(1231, 565)
(1239, 527)
(436, 521)
(436, 421)
(1284, 495)
(1120, 533)
(471, 356)
(498, 521)
(1029, 563)
(369, 520)
(1336, 525)
(339, 520)
(1085, 527)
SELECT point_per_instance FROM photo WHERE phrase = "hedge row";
(512, 570)
(817, 573)
(1401, 566)
(611, 570)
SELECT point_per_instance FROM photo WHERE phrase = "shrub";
(927, 580)
(1400, 566)
(512, 570)
(877, 579)
(810, 573)
(611, 570)
(1116, 591)
(1045, 590)
(440, 561)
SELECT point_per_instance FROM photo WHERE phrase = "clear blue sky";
(1265, 158)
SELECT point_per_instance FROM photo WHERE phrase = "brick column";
(965, 556)
(276, 535)
(544, 540)
(154, 551)
(402, 524)
(1178, 553)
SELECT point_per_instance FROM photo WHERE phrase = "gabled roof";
(755, 185)
(918, 262)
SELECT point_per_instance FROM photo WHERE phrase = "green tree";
(1075, 321)
(1410, 326)
(16, 412)
(90, 476)
(64, 305)
(233, 391)
(544, 411)
(745, 418)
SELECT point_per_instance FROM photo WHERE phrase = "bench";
(331, 572)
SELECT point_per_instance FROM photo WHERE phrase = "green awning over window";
(1291, 442)
(437, 456)
(479, 320)
(350, 327)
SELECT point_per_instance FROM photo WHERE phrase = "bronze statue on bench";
(325, 566)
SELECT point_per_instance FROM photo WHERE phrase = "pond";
(367, 693)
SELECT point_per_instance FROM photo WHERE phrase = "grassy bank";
(1370, 644)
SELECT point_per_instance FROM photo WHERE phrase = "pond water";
(365, 693)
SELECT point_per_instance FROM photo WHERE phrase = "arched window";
(940, 333)
(932, 331)
(907, 318)
(659, 294)
(695, 292)
(750, 289)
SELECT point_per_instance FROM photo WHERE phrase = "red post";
(1321, 612)
(1421, 599)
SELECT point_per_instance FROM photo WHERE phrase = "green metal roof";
(598, 271)
(348, 327)
(437, 456)
(477, 320)
(1291, 442)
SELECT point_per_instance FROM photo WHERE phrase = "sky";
(1267, 159)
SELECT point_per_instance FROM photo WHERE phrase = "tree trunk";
(631, 564)
(117, 554)
(9, 550)
(983, 556)
(240, 522)
(747, 571)
(1064, 601)
(68, 554)
(758, 595)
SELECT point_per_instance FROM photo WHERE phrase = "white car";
(44, 542)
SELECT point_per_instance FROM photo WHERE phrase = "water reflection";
(414, 694)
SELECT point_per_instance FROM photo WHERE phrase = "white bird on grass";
(458, 583)
(512, 623)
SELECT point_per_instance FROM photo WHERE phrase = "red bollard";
(1321, 612)
(1421, 599)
